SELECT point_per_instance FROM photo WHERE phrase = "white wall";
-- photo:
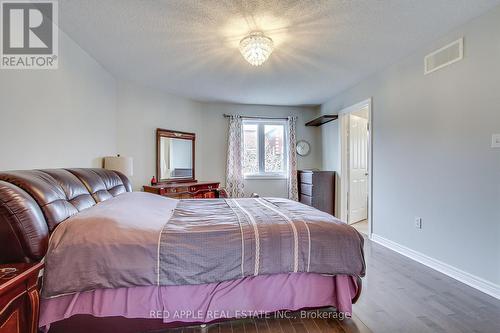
(141, 110)
(432, 155)
(57, 118)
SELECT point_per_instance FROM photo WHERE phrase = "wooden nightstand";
(19, 300)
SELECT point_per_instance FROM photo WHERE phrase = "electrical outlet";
(418, 222)
(495, 141)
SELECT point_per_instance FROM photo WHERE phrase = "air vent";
(444, 56)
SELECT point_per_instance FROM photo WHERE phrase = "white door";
(358, 169)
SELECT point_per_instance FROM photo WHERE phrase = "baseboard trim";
(476, 282)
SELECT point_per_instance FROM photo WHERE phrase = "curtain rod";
(257, 117)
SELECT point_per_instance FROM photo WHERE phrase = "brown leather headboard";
(34, 202)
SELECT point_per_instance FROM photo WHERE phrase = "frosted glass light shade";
(256, 48)
(119, 163)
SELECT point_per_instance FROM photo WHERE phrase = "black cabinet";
(317, 189)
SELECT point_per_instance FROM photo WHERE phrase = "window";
(264, 148)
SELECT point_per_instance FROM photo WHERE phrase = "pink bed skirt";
(240, 298)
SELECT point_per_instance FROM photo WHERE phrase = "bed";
(138, 261)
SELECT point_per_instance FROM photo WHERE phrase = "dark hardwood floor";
(399, 295)
(278, 325)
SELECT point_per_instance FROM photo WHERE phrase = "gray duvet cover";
(141, 239)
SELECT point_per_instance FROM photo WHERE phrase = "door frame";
(344, 160)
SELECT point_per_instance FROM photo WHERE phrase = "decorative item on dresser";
(317, 189)
(19, 300)
(191, 190)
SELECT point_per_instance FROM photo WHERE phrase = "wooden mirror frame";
(164, 133)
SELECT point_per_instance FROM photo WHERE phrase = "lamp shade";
(119, 163)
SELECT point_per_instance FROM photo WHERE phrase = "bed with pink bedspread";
(241, 298)
(139, 255)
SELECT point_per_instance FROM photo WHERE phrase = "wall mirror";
(174, 156)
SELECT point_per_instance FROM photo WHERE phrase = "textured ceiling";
(190, 47)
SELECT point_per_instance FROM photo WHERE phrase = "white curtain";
(293, 192)
(234, 165)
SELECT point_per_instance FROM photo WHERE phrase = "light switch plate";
(495, 141)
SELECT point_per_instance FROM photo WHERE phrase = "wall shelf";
(322, 120)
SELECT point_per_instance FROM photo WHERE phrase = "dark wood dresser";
(317, 189)
(187, 190)
(19, 300)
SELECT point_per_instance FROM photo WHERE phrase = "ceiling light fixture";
(256, 48)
